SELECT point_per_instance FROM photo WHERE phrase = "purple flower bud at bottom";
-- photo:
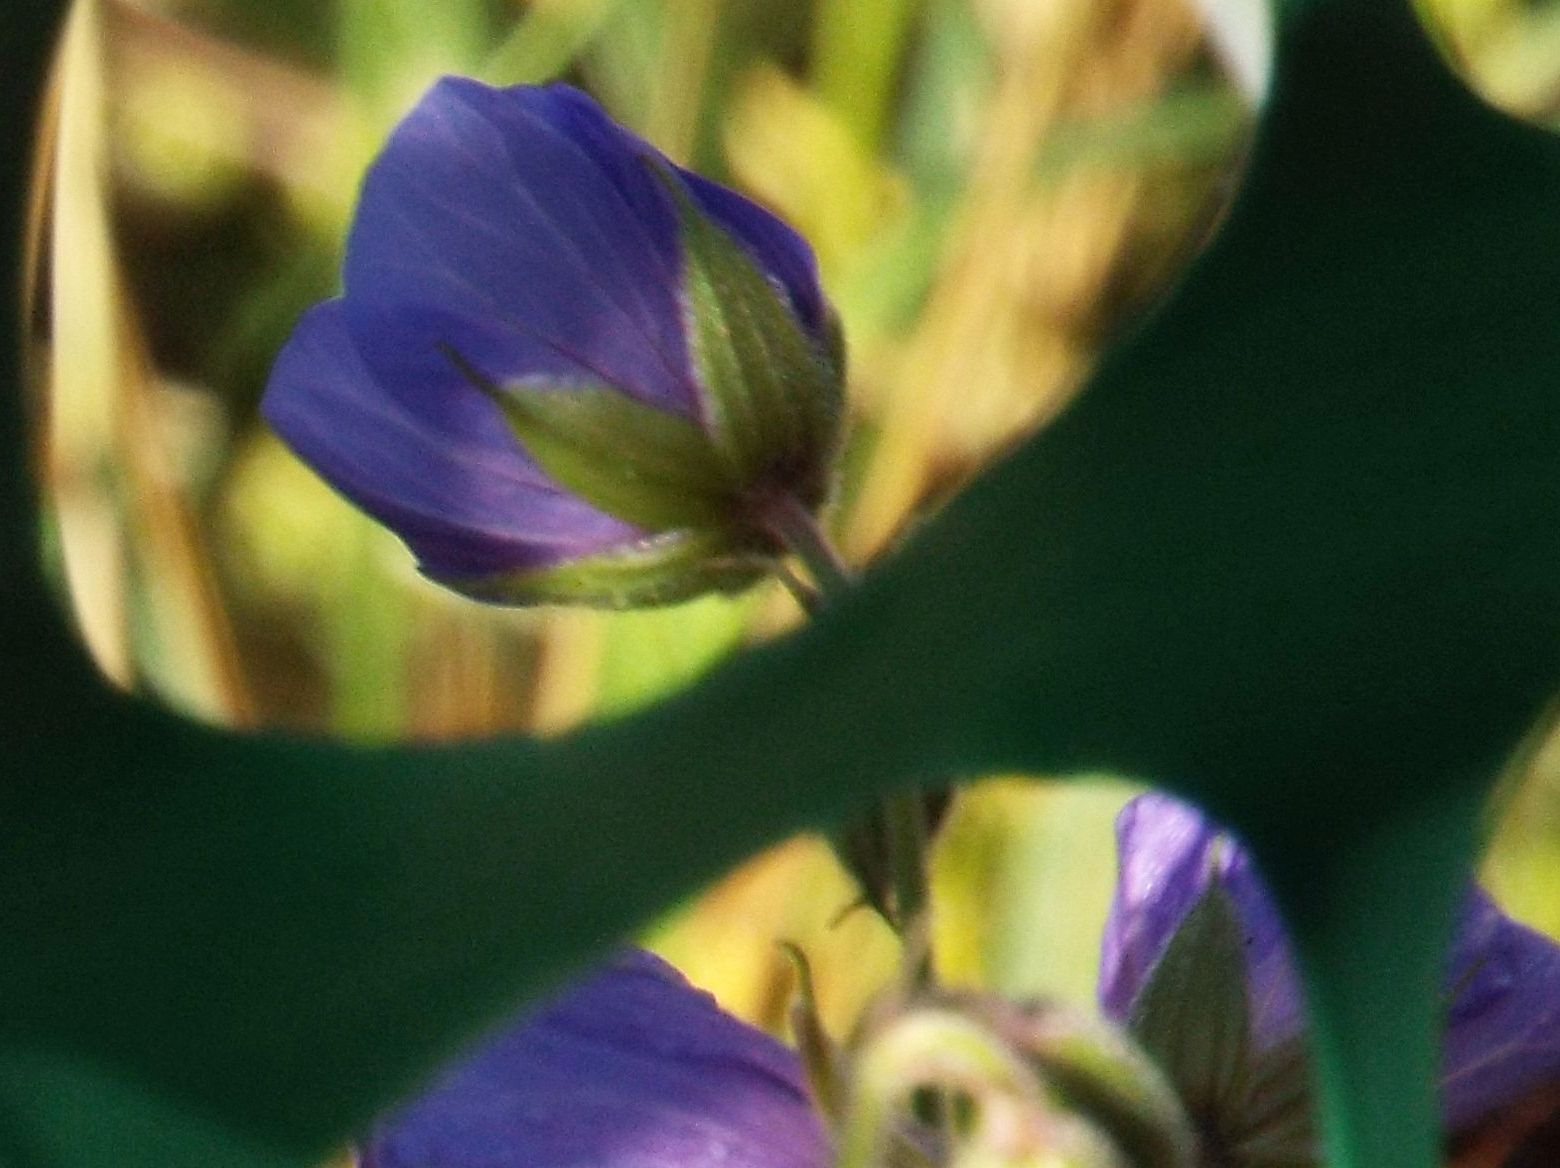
(629, 1068)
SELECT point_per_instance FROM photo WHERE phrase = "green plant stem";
(799, 531)
(897, 828)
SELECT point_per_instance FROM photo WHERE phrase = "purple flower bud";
(1502, 1037)
(563, 368)
(630, 1068)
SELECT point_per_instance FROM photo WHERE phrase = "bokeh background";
(993, 187)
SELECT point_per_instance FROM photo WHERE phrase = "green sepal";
(645, 466)
(775, 399)
(662, 569)
(1275, 1124)
(1254, 1108)
(1192, 1015)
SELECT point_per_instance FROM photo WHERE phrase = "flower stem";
(806, 596)
(888, 851)
(800, 533)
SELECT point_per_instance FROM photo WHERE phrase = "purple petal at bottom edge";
(629, 1068)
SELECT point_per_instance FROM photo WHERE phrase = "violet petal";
(631, 1068)
(444, 472)
(1162, 849)
(1503, 1028)
(484, 209)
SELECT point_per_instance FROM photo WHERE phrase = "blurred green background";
(992, 187)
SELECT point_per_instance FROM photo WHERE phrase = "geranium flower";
(1502, 1036)
(563, 368)
(630, 1068)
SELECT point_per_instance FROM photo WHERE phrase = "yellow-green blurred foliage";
(993, 187)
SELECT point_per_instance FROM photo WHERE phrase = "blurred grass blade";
(1193, 126)
(84, 359)
(546, 39)
(858, 55)
(389, 51)
(134, 562)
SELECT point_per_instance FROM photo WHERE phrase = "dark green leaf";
(1292, 551)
